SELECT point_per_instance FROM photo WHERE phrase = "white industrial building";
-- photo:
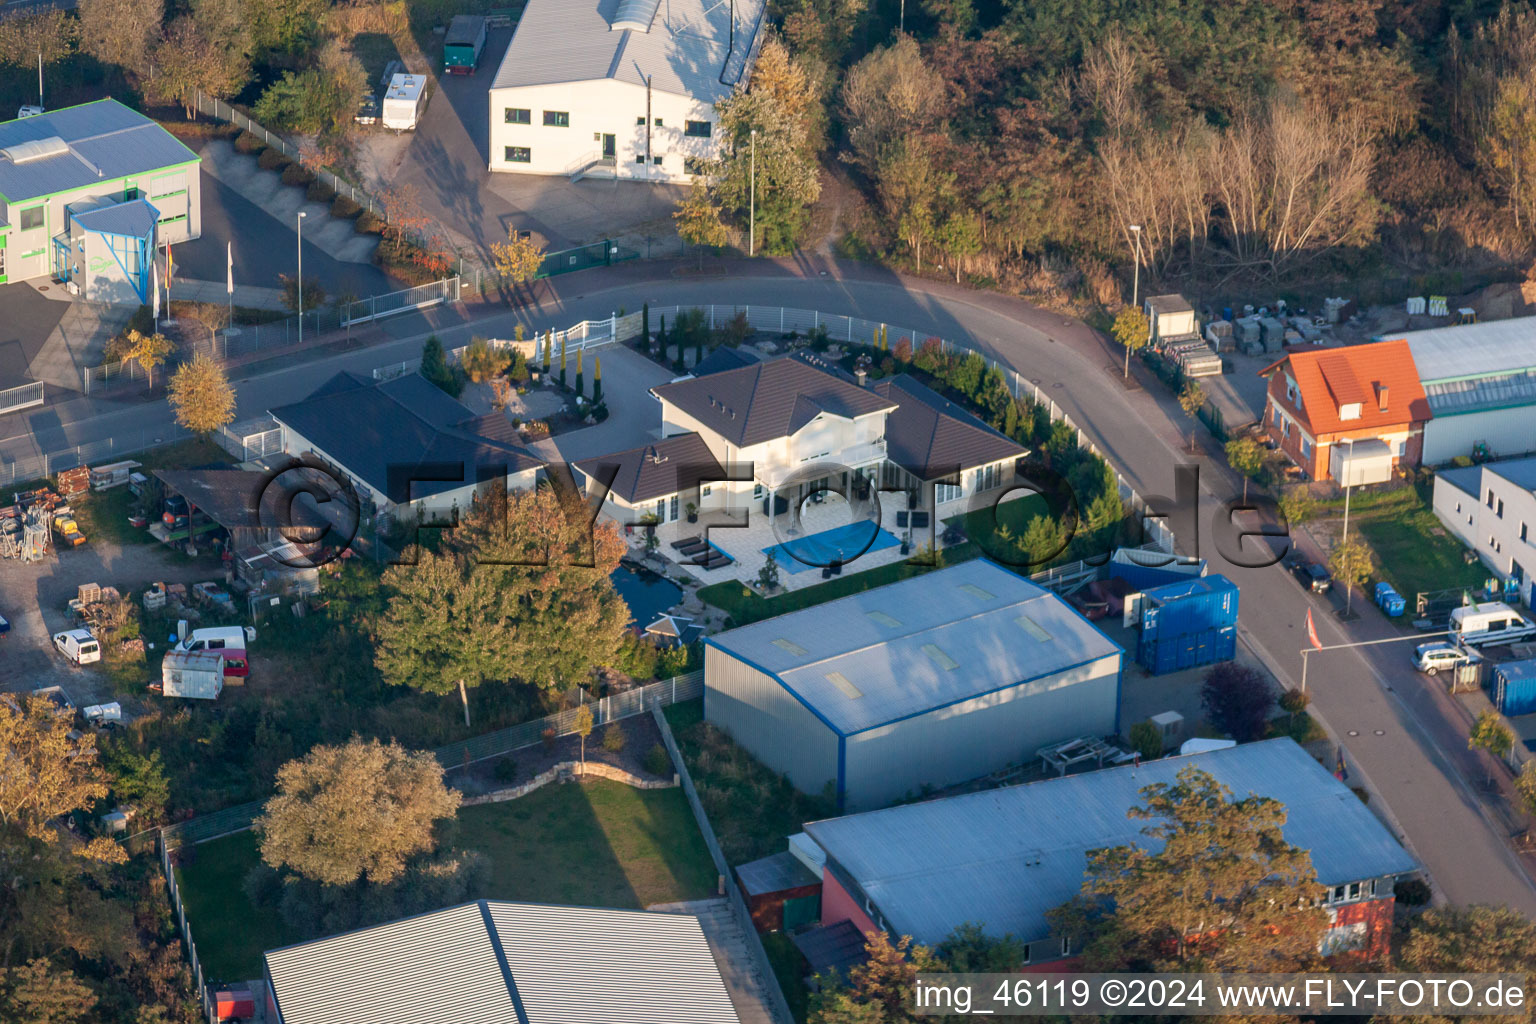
(1480, 380)
(931, 681)
(1492, 509)
(621, 88)
(88, 193)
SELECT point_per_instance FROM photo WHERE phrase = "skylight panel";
(975, 591)
(883, 619)
(789, 645)
(1034, 628)
(939, 658)
(844, 684)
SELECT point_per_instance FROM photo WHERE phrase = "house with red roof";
(1352, 415)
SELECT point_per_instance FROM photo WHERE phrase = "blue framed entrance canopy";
(129, 232)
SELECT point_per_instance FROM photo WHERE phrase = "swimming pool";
(842, 543)
(648, 594)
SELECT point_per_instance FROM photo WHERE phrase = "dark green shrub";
(613, 737)
(272, 160)
(505, 770)
(345, 208)
(297, 174)
(657, 762)
(320, 191)
(369, 223)
(248, 143)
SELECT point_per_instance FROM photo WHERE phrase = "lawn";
(1415, 551)
(598, 843)
(744, 605)
(104, 515)
(790, 968)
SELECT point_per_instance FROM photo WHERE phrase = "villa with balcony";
(792, 454)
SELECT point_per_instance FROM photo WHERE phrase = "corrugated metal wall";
(1514, 687)
(1507, 432)
(970, 739)
(766, 719)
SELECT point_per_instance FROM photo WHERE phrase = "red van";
(237, 664)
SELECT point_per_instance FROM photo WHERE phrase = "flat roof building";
(88, 193)
(1480, 380)
(931, 681)
(1003, 858)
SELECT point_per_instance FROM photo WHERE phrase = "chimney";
(861, 376)
(1381, 396)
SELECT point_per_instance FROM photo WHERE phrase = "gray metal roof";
(1451, 397)
(919, 644)
(770, 399)
(1003, 857)
(685, 50)
(672, 465)
(491, 962)
(1473, 350)
(104, 140)
(136, 219)
(378, 431)
(1520, 472)
(775, 873)
(1464, 478)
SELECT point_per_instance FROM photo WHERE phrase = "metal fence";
(217, 108)
(582, 257)
(778, 1006)
(402, 301)
(24, 397)
(251, 439)
(209, 1010)
(109, 449)
(464, 752)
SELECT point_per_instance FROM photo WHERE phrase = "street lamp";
(1348, 467)
(1135, 291)
(752, 202)
(301, 217)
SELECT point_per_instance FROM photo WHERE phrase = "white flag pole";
(229, 281)
(156, 286)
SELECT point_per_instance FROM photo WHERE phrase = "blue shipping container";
(1514, 687)
(1192, 606)
(1189, 650)
(1146, 577)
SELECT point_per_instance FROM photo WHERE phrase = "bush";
(1147, 740)
(1414, 892)
(369, 223)
(1462, 461)
(248, 143)
(297, 174)
(345, 208)
(657, 762)
(547, 737)
(613, 738)
(272, 160)
(320, 191)
(505, 770)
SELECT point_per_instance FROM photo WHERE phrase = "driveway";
(30, 317)
(447, 157)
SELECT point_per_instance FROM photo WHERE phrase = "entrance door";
(610, 147)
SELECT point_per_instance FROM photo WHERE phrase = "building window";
(1458, 507)
(1489, 501)
(519, 115)
(658, 123)
(1338, 893)
(1306, 448)
(557, 119)
(1285, 428)
(1354, 890)
(1522, 526)
(1500, 512)
(639, 158)
(1373, 887)
(946, 492)
(757, 491)
(656, 160)
(31, 219)
(705, 492)
(519, 155)
(640, 121)
(1066, 945)
(672, 509)
(698, 129)
(661, 510)
(1024, 954)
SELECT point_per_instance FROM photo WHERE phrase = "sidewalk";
(248, 296)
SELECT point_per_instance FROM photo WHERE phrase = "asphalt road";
(1402, 735)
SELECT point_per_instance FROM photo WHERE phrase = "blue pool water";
(647, 593)
(843, 543)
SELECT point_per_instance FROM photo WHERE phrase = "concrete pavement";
(1392, 725)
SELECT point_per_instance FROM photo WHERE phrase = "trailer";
(403, 102)
(463, 44)
(198, 675)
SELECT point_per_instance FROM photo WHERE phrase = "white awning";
(1361, 462)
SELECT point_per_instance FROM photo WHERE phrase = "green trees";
(316, 100)
(1352, 563)
(1245, 455)
(1491, 734)
(583, 727)
(698, 221)
(1223, 892)
(1132, 331)
(434, 367)
(481, 362)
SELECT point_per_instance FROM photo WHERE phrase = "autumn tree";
(878, 991)
(188, 61)
(1352, 563)
(148, 350)
(285, 26)
(22, 38)
(481, 362)
(1237, 699)
(1491, 734)
(698, 221)
(519, 258)
(1495, 940)
(447, 627)
(354, 812)
(782, 107)
(583, 727)
(36, 992)
(120, 32)
(1132, 332)
(888, 98)
(201, 396)
(1224, 890)
(1192, 398)
(1245, 455)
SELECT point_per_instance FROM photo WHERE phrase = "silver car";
(1431, 658)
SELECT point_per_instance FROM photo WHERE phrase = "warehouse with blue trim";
(927, 682)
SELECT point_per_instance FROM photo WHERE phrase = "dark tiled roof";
(382, 432)
(834, 947)
(766, 400)
(929, 436)
(776, 872)
(723, 357)
(669, 466)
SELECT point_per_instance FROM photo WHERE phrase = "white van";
(1490, 623)
(216, 638)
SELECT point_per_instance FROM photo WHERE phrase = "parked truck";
(463, 44)
(198, 675)
(403, 102)
(1476, 625)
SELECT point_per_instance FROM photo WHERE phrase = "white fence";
(379, 306)
(251, 439)
(24, 397)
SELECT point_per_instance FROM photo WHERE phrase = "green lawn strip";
(598, 843)
(231, 934)
(1413, 558)
(744, 606)
(103, 515)
(790, 968)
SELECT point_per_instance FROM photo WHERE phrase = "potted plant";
(693, 512)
